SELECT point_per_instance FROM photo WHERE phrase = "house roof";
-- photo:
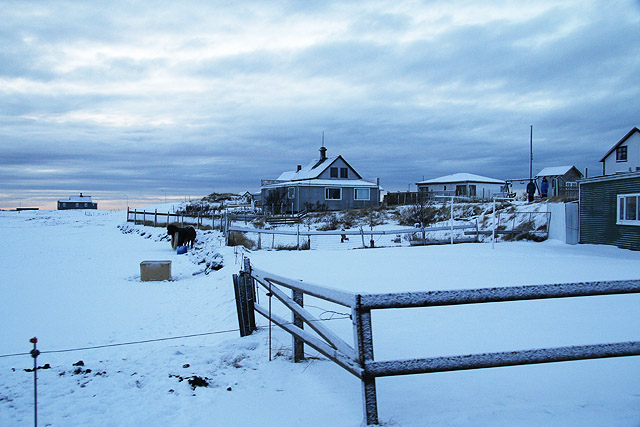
(556, 171)
(77, 199)
(324, 183)
(624, 138)
(462, 177)
(313, 170)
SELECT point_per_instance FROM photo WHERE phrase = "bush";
(237, 238)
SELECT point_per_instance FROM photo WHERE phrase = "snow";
(72, 279)
(554, 171)
(462, 177)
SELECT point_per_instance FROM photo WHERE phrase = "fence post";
(155, 218)
(298, 344)
(364, 341)
(362, 235)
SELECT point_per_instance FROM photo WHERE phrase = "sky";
(139, 102)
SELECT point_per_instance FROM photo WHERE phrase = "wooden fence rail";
(159, 219)
(358, 358)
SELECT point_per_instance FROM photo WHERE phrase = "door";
(572, 221)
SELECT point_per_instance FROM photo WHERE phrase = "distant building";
(326, 183)
(624, 156)
(563, 180)
(474, 187)
(77, 202)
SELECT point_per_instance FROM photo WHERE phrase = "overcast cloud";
(146, 100)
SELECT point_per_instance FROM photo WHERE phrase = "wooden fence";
(358, 358)
(161, 219)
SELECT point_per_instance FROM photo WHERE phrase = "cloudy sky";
(142, 101)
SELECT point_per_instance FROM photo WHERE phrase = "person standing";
(531, 190)
(544, 187)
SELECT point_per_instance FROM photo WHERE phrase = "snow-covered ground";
(73, 280)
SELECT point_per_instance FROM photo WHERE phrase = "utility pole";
(531, 154)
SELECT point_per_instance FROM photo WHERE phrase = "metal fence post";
(298, 344)
(364, 341)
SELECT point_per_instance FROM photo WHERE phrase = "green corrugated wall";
(598, 213)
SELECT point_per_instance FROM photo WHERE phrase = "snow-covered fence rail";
(359, 359)
(157, 219)
(296, 236)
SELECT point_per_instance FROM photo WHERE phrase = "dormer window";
(621, 154)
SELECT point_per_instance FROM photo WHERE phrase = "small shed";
(563, 180)
(77, 202)
(610, 210)
(468, 185)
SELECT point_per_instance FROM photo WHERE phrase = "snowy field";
(72, 279)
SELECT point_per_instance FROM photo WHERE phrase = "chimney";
(299, 168)
(323, 153)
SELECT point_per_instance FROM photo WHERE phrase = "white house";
(624, 156)
(461, 184)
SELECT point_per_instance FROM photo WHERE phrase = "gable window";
(291, 192)
(344, 173)
(621, 154)
(362, 194)
(628, 206)
(334, 172)
(333, 193)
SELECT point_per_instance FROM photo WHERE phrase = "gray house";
(609, 210)
(77, 202)
(326, 183)
(563, 180)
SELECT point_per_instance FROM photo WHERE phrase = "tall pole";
(531, 154)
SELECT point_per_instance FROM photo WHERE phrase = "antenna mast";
(531, 154)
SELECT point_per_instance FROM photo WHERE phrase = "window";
(344, 173)
(628, 205)
(461, 190)
(334, 172)
(472, 190)
(291, 192)
(362, 194)
(621, 154)
(333, 193)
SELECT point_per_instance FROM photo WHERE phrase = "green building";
(610, 210)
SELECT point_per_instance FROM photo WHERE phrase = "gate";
(358, 358)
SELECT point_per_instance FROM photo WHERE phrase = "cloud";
(191, 97)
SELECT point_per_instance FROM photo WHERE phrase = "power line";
(124, 343)
(156, 339)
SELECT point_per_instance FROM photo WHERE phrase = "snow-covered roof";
(310, 171)
(77, 199)
(325, 183)
(462, 177)
(554, 171)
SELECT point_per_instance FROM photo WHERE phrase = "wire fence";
(302, 237)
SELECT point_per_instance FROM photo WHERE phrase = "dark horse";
(181, 236)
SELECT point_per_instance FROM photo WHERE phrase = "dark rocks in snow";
(194, 381)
